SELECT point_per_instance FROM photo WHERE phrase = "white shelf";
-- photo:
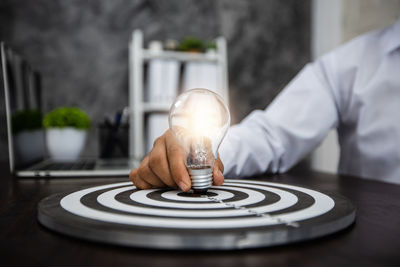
(139, 108)
(156, 107)
(180, 56)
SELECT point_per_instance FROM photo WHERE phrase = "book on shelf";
(162, 88)
(201, 75)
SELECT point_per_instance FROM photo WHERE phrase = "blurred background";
(81, 47)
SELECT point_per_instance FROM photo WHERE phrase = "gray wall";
(80, 47)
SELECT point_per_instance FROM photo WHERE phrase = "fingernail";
(220, 173)
(183, 186)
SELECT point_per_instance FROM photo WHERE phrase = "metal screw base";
(201, 179)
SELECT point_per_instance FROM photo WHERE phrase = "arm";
(272, 140)
(275, 139)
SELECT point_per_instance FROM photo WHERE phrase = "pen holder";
(113, 141)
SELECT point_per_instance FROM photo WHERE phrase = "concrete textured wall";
(81, 47)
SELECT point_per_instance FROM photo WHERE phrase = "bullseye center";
(195, 195)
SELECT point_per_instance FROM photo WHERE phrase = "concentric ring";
(107, 199)
(174, 195)
(140, 197)
(211, 214)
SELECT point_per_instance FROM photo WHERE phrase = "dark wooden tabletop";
(374, 240)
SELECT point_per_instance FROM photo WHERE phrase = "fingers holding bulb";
(137, 181)
(218, 170)
(145, 173)
(177, 162)
(165, 165)
(158, 162)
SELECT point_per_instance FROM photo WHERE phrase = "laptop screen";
(23, 109)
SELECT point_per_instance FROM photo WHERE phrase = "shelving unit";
(138, 107)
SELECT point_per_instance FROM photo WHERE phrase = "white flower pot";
(65, 144)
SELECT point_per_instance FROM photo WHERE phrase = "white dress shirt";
(355, 89)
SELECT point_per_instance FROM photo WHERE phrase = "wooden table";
(374, 240)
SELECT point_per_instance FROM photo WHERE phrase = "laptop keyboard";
(64, 166)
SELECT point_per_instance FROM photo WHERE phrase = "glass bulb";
(199, 120)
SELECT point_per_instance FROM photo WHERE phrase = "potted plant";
(66, 131)
(195, 45)
(28, 135)
(192, 44)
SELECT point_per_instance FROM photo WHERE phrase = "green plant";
(26, 120)
(211, 45)
(192, 44)
(66, 117)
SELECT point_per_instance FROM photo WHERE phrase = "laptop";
(22, 91)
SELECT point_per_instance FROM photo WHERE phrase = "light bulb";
(199, 120)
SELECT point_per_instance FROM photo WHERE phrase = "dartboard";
(237, 214)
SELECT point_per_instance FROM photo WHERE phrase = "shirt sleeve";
(275, 139)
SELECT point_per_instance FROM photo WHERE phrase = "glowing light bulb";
(199, 119)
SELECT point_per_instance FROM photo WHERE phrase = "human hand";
(165, 166)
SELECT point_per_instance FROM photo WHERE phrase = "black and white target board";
(239, 214)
